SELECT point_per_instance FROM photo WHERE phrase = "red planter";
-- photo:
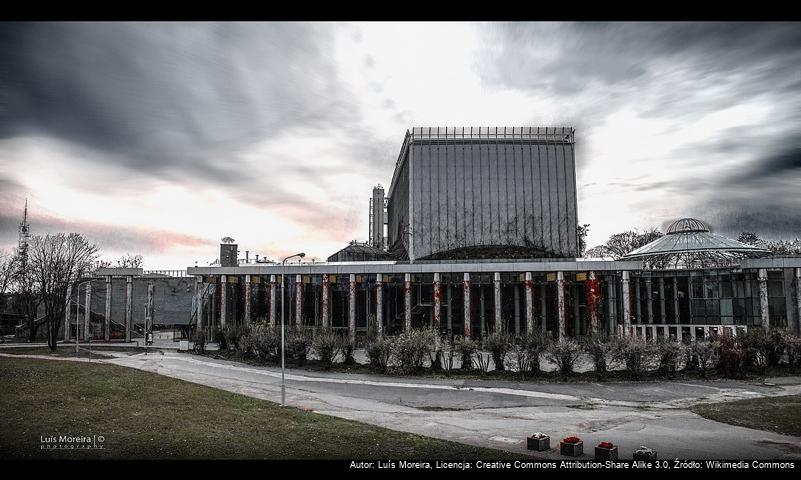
(604, 453)
(571, 449)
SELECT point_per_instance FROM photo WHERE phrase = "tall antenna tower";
(24, 236)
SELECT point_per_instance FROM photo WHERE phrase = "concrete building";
(479, 193)
(481, 232)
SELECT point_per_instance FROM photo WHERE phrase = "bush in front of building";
(199, 341)
(498, 344)
(298, 343)
(670, 354)
(565, 353)
(754, 343)
(536, 343)
(327, 345)
(732, 355)
(526, 350)
(379, 351)
(411, 349)
(705, 354)
(260, 343)
(466, 347)
(228, 337)
(636, 354)
(776, 346)
(600, 348)
(794, 353)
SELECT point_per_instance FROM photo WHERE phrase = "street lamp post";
(283, 317)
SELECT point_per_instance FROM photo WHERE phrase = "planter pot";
(602, 453)
(571, 449)
(538, 444)
(645, 456)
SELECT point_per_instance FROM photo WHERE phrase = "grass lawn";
(776, 414)
(68, 352)
(143, 415)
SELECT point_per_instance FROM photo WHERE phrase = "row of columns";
(107, 312)
(593, 301)
(407, 293)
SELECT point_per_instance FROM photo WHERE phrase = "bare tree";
(130, 261)
(26, 298)
(126, 261)
(56, 262)
(620, 244)
(7, 267)
(750, 238)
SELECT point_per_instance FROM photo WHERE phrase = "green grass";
(60, 352)
(143, 415)
(775, 414)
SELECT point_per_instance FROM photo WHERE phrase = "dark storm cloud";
(567, 58)
(677, 74)
(175, 99)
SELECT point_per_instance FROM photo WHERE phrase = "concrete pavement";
(499, 414)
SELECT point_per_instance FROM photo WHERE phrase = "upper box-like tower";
(500, 192)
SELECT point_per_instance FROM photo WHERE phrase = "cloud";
(176, 100)
(274, 133)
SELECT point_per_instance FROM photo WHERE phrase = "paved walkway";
(499, 414)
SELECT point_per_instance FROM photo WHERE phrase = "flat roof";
(391, 267)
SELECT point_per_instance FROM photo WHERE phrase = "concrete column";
(449, 309)
(576, 312)
(379, 303)
(653, 333)
(199, 286)
(352, 309)
(763, 298)
(107, 326)
(78, 314)
(273, 304)
(223, 299)
(593, 292)
(662, 310)
(649, 297)
(67, 314)
(517, 309)
(468, 325)
(612, 301)
(676, 312)
(529, 303)
(561, 305)
(436, 318)
(692, 333)
(497, 288)
(149, 308)
(482, 314)
(626, 304)
(87, 319)
(298, 301)
(326, 320)
(248, 287)
(638, 302)
(128, 306)
(407, 302)
(798, 300)
(543, 311)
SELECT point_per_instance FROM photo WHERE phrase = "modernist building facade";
(482, 236)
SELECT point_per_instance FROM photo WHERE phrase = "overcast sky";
(162, 138)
